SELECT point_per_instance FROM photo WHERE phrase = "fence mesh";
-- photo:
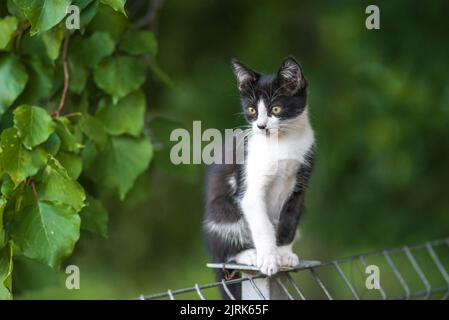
(409, 272)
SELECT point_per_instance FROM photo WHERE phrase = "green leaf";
(94, 217)
(94, 130)
(46, 231)
(53, 40)
(8, 26)
(121, 162)
(57, 186)
(40, 82)
(7, 188)
(15, 10)
(53, 144)
(17, 161)
(118, 76)
(71, 162)
(13, 79)
(109, 21)
(71, 136)
(6, 266)
(33, 124)
(82, 4)
(3, 202)
(78, 77)
(89, 11)
(117, 5)
(43, 14)
(139, 42)
(127, 116)
(90, 51)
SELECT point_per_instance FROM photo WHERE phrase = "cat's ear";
(244, 75)
(291, 77)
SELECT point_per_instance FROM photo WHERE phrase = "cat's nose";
(261, 126)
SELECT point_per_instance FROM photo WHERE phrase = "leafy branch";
(47, 160)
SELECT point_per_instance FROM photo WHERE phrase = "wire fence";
(409, 272)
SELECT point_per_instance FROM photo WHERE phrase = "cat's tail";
(232, 289)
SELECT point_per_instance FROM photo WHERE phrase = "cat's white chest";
(272, 166)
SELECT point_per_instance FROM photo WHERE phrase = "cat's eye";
(252, 110)
(276, 110)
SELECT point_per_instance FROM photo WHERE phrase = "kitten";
(252, 209)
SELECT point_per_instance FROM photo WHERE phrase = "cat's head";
(271, 101)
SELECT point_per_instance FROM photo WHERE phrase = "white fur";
(262, 114)
(248, 257)
(232, 184)
(230, 232)
(272, 165)
(288, 258)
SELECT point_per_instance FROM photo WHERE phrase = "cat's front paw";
(248, 257)
(289, 259)
(268, 263)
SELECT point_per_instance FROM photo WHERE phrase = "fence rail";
(408, 272)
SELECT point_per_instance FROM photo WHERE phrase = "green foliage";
(120, 162)
(139, 42)
(6, 254)
(119, 76)
(72, 118)
(44, 14)
(33, 124)
(13, 78)
(8, 26)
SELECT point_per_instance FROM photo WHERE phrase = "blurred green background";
(379, 103)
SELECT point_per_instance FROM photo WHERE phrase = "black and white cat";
(253, 209)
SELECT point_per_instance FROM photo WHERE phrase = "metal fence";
(409, 272)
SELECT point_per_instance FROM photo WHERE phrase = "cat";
(252, 209)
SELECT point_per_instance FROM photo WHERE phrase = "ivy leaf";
(109, 21)
(40, 82)
(127, 116)
(33, 124)
(8, 26)
(3, 203)
(117, 5)
(71, 136)
(15, 10)
(139, 42)
(17, 161)
(43, 14)
(121, 162)
(90, 51)
(78, 77)
(82, 4)
(71, 162)
(58, 187)
(118, 76)
(46, 231)
(53, 40)
(7, 189)
(13, 79)
(6, 266)
(94, 130)
(52, 144)
(94, 217)
(90, 9)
